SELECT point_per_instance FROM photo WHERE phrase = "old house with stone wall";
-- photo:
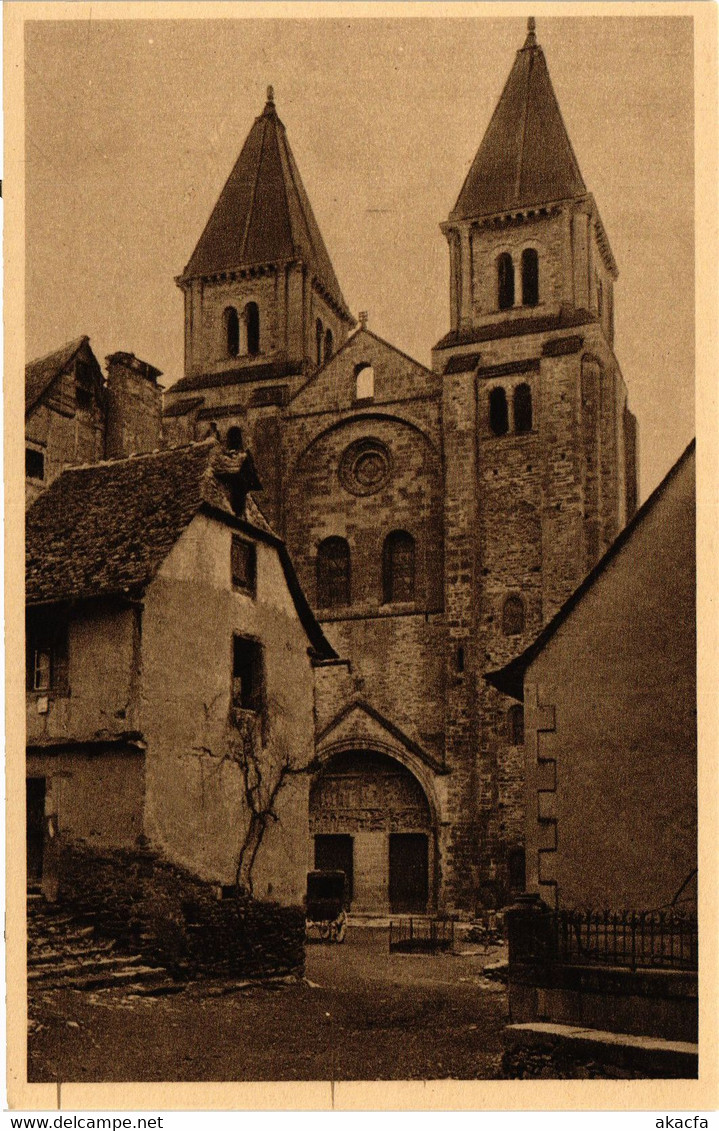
(609, 693)
(170, 671)
(438, 517)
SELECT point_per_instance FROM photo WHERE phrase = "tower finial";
(271, 94)
(531, 39)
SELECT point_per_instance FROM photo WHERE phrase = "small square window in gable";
(34, 464)
(244, 566)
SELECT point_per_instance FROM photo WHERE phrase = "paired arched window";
(515, 725)
(329, 345)
(513, 616)
(498, 412)
(234, 439)
(364, 378)
(530, 277)
(333, 573)
(398, 567)
(522, 409)
(252, 325)
(319, 338)
(505, 281)
(232, 331)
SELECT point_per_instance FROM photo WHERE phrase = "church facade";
(437, 518)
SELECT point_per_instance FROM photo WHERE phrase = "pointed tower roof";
(263, 214)
(526, 156)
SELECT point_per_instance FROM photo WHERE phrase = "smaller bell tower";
(260, 287)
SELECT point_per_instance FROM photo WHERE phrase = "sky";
(133, 126)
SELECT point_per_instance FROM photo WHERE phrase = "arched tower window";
(513, 616)
(398, 567)
(505, 281)
(498, 414)
(364, 377)
(234, 439)
(522, 409)
(232, 331)
(252, 323)
(515, 725)
(530, 277)
(329, 345)
(333, 573)
(319, 336)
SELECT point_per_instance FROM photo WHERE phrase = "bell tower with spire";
(540, 447)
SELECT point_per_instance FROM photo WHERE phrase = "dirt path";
(360, 1014)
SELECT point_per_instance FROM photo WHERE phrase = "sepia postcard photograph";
(355, 741)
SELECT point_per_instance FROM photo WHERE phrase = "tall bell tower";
(540, 447)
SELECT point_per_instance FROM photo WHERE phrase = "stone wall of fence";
(628, 974)
(156, 909)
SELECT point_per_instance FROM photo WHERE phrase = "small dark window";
(505, 281)
(329, 345)
(244, 565)
(460, 659)
(517, 868)
(498, 414)
(46, 651)
(333, 573)
(522, 409)
(234, 439)
(252, 323)
(515, 725)
(513, 616)
(530, 277)
(398, 567)
(232, 331)
(247, 682)
(34, 464)
(83, 385)
(319, 339)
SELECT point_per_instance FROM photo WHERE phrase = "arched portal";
(370, 816)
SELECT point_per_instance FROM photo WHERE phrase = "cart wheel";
(341, 927)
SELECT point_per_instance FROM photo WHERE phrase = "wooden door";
(408, 872)
(35, 828)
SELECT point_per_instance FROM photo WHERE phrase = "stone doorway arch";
(371, 816)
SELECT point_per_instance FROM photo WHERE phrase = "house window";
(498, 413)
(364, 377)
(329, 345)
(247, 676)
(505, 281)
(234, 439)
(83, 385)
(252, 324)
(333, 573)
(232, 331)
(46, 651)
(319, 338)
(522, 409)
(530, 277)
(34, 464)
(398, 567)
(515, 725)
(244, 565)
(513, 616)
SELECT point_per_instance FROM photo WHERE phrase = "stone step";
(134, 976)
(89, 966)
(38, 959)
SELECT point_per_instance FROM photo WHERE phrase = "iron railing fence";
(421, 934)
(635, 939)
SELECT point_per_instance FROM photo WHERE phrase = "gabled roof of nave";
(263, 214)
(526, 157)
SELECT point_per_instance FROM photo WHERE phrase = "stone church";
(437, 518)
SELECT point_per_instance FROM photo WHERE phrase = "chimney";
(134, 406)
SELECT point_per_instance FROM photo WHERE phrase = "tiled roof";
(107, 527)
(462, 363)
(263, 371)
(534, 324)
(41, 373)
(263, 214)
(526, 157)
(180, 408)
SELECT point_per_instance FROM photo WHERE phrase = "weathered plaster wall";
(195, 809)
(618, 771)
